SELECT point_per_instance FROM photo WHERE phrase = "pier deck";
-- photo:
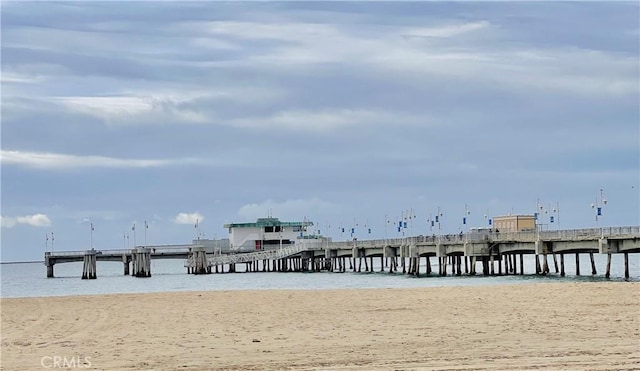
(324, 254)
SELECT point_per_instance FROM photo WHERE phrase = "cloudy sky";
(339, 112)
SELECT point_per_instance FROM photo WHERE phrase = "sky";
(347, 114)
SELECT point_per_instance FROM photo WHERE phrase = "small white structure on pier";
(265, 234)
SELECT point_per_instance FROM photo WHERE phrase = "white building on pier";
(265, 234)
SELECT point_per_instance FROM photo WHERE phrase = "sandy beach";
(559, 326)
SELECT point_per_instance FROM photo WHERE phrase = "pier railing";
(279, 253)
(169, 249)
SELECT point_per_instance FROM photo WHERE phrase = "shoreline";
(430, 282)
(551, 325)
(564, 281)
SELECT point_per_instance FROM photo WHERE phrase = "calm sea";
(29, 279)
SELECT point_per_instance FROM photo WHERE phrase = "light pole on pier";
(52, 240)
(601, 201)
(412, 216)
(146, 226)
(91, 237)
(386, 222)
(467, 212)
(465, 220)
(133, 229)
(487, 218)
(197, 231)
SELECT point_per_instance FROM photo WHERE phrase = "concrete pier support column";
(500, 265)
(428, 265)
(593, 264)
(142, 262)
(200, 259)
(538, 269)
(626, 266)
(607, 273)
(521, 264)
(555, 262)
(466, 265)
(492, 266)
(49, 263)
(444, 266)
(125, 261)
(485, 266)
(577, 264)
(133, 262)
(49, 270)
(562, 265)
(545, 264)
(89, 266)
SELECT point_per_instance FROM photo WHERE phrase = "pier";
(498, 254)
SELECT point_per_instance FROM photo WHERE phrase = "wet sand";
(555, 326)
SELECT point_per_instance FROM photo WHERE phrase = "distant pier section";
(273, 246)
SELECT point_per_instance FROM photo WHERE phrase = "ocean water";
(29, 279)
